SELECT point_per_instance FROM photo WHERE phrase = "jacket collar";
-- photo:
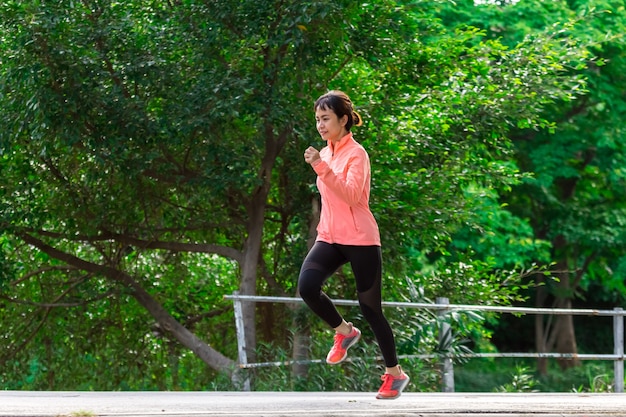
(335, 147)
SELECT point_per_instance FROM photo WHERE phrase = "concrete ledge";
(310, 404)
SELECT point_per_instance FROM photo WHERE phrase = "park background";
(151, 163)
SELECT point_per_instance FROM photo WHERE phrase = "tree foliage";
(574, 196)
(151, 156)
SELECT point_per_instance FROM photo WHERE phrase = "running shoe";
(392, 386)
(339, 351)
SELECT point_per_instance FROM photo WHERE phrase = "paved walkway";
(310, 404)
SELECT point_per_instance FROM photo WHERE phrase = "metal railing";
(444, 307)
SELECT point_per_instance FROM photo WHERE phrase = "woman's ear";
(344, 120)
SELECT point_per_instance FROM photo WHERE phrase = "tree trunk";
(301, 350)
(563, 338)
(247, 286)
(540, 331)
(252, 247)
(302, 332)
(565, 333)
(557, 333)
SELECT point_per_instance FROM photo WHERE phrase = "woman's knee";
(309, 284)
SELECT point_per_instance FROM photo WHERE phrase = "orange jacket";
(343, 179)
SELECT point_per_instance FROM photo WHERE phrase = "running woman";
(347, 232)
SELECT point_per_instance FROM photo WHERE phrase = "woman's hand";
(311, 155)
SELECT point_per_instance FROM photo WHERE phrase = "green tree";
(574, 198)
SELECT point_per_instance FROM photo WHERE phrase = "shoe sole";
(402, 387)
(354, 341)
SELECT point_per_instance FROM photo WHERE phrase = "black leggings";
(321, 262)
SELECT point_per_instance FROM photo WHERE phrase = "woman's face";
(329, 126)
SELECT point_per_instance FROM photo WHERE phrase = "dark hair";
(340, 104)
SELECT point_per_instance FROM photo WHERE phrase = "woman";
(347, 232)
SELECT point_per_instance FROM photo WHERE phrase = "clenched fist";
(311, 155)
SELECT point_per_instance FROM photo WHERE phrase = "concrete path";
(310, 404)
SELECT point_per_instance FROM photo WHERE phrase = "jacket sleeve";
(349, 190)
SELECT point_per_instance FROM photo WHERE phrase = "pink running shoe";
(392, 386)
(339, 351)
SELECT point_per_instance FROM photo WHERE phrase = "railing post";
(241, 336)
(618, 349)
(447, 368)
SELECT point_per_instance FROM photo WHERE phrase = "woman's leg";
(366, 262)
(320, 263)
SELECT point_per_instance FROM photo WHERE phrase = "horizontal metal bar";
(581, 356)
(607, 357)
(450, 307)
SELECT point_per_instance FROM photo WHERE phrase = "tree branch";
(225, 251)
(31, 274)
(207, 354)
(56, 304)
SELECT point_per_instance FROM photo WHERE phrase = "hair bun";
(358, 120)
